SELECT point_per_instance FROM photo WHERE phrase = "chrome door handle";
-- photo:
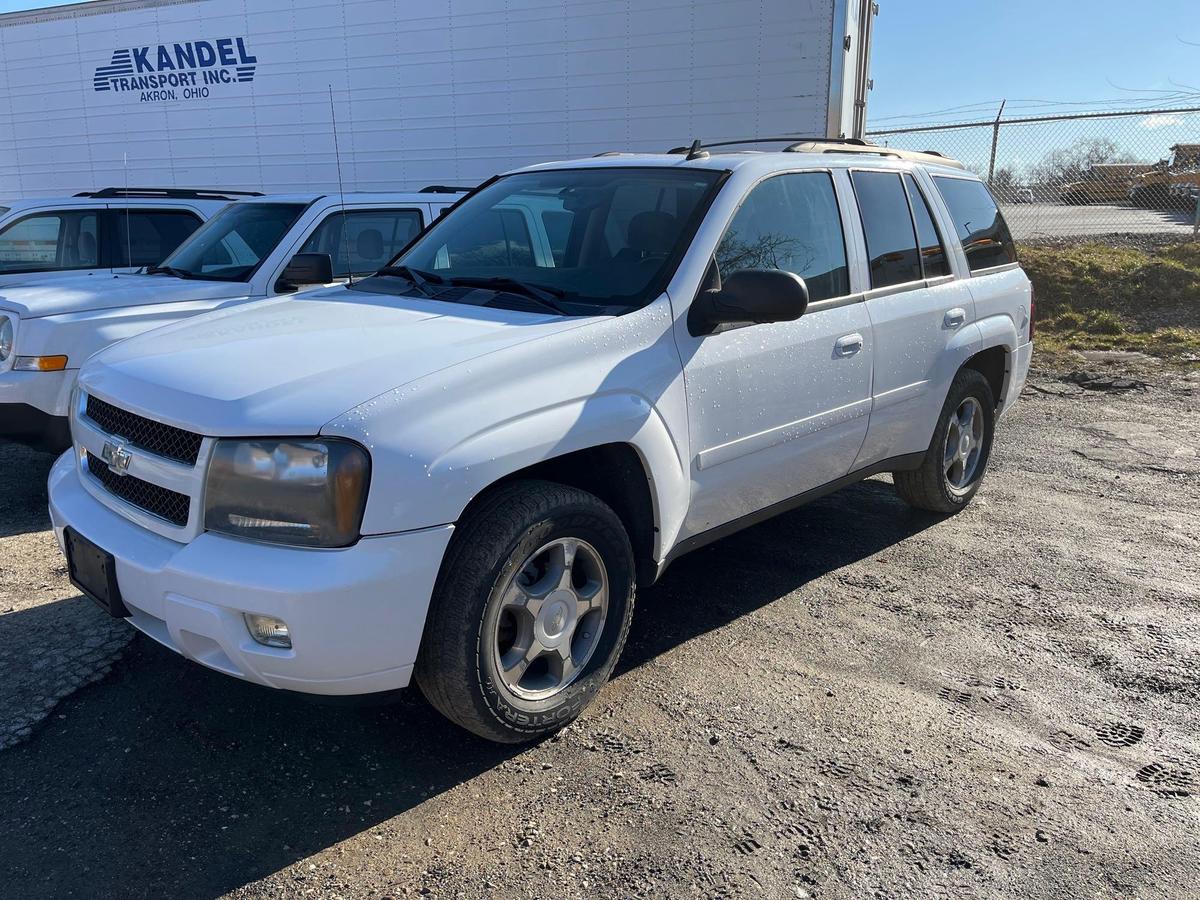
(955, 317)
(848, 345)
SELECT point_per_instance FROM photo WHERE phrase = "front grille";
(162, 440)
(159, 501)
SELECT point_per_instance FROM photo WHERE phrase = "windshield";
(571, 239)
(230, 245)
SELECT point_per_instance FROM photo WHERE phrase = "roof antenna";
(696, 151)
(341, 191)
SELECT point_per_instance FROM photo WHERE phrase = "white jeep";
(252, 249)
(459, 470)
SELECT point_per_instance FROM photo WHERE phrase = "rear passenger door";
(920, 313)
(777, 409)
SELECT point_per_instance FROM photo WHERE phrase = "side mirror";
(307, 268)
(749, 297)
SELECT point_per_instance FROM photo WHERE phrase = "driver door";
(775, 410)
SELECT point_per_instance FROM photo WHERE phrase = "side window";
(498, 237)
(145, 237)
(982, 230)
(888, 228)
(362, 241)
(934, 261)
(49, 241)
(790, 222)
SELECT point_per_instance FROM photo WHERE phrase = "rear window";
(888, 228)
(147, 237)
(981, 228)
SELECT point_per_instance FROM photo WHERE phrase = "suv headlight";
(6, 338)
(289, 491)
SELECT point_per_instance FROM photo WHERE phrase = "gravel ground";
(854, 700)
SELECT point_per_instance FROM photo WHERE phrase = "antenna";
(128, 238)
(341, 191)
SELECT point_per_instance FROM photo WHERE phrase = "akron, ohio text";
(190, 70)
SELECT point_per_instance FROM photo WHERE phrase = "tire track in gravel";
(52, 641)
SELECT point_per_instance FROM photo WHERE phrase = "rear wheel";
(530, 613)
(954, 465)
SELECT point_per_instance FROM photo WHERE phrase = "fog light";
(268, 631)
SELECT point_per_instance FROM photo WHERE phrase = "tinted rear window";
(981, 228)
(888, 228)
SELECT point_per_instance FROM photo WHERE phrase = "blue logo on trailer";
(189, 70)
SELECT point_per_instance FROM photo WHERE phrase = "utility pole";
(995, 142)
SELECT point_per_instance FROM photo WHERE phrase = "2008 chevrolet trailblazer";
(459, 469)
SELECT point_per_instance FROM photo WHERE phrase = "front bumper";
(34, 405)
(355, 615)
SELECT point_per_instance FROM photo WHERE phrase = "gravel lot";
(851, 701)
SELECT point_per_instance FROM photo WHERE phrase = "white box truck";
(237, 93)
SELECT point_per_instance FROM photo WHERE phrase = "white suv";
(100, 232)
(458, 470)
(252, 249)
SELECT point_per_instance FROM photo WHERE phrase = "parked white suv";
(458, 470)
(100, 232)
(252, 249)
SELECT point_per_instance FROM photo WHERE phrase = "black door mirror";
(749, 297)
(305, 269)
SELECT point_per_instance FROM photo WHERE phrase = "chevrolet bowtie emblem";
(117, 457)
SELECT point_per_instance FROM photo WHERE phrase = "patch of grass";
(1095, 297)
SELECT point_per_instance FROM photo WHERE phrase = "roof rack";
(168, 193)
(444, 189)
(828, 145)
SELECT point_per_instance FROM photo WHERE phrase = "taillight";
(1032, 309)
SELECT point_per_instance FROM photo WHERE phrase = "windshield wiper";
(169, 270)
(546, 297)
(418, 278)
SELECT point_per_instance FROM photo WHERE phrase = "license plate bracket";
(94, 571)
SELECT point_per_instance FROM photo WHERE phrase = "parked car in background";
(1171, 183)
(1103, 183)
(255, 248)
(458, 471)
(100, 232)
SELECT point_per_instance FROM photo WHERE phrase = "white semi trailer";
(237, 93)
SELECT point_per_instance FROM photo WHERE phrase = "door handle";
(955, 317)
(848, 345)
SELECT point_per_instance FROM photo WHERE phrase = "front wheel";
(530, 612)
(954, 465)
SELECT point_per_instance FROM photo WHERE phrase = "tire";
(484, 613)
(942, 487)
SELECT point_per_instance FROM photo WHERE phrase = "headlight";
(306, 492)
(6, 338)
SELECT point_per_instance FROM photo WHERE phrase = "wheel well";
(615, 474)
(992, 364)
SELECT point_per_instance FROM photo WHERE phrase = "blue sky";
(954, 54)
(956, 59)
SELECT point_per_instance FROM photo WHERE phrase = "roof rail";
(863, 148)
(444, 189)
(765, 140)
(828, 145)
(169, 193)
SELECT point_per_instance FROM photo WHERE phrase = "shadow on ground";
(23, 499)
(170, 780)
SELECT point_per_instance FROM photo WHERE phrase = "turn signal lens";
(268, 631)
(39, 363)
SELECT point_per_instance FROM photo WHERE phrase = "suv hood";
(33, 300)
(290, 365)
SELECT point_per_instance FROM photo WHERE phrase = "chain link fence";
(1128, 172)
